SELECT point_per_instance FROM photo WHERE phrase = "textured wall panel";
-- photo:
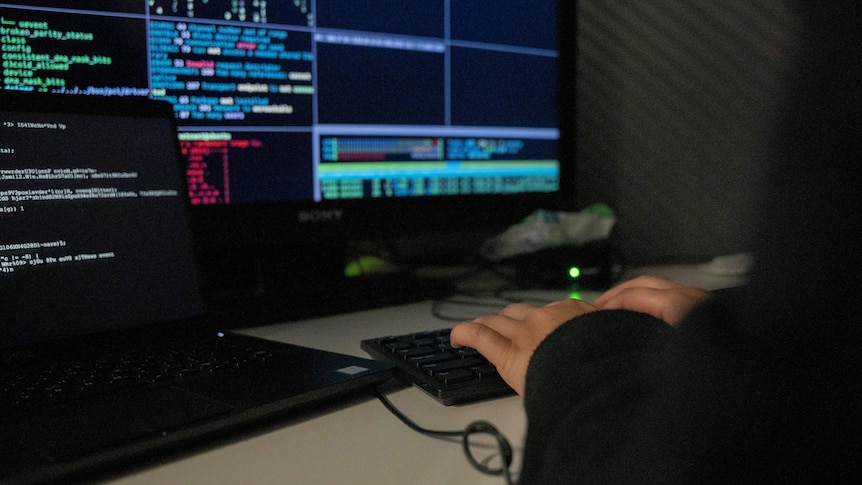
(677, 101)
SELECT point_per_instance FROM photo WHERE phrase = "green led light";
(364, 265)
(574, 272)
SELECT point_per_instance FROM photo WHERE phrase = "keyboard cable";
(474, 428)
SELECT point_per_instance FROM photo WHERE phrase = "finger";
(518, 311)
(498, 349)
(668, 305)
(637, 299)
(490, 343)
(639, 282)
(519, 319)
(565, 310)
(504, 325)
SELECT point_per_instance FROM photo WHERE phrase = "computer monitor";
(309, 125)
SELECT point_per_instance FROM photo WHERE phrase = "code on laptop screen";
(93, 230)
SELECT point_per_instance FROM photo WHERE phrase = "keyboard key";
(428, 360)
(71, 379)
(454, 376)
(417, 352)
(433, 369)
(433, 358)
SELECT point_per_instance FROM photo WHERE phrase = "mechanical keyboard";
(427, 360)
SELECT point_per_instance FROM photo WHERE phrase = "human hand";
(658, 297)
(509, 338)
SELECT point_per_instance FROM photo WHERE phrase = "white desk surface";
(362, 443)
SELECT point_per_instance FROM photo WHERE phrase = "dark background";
(677, 104)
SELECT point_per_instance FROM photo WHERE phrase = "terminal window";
(315, 100)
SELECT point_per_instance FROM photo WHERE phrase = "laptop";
(97, 269)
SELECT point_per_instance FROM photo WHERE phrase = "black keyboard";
(427, 360)
(67, 378)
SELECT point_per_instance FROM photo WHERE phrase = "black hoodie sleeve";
(762, 389)
(584, 384)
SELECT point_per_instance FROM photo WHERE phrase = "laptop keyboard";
(427, 360)
(46, 382)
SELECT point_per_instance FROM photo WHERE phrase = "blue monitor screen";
(317, 101)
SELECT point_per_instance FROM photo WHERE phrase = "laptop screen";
(93, 224)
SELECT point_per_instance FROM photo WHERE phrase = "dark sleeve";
(584, 386)
(620, 397)
(763, 389)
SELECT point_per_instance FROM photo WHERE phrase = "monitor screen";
(309, 121)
